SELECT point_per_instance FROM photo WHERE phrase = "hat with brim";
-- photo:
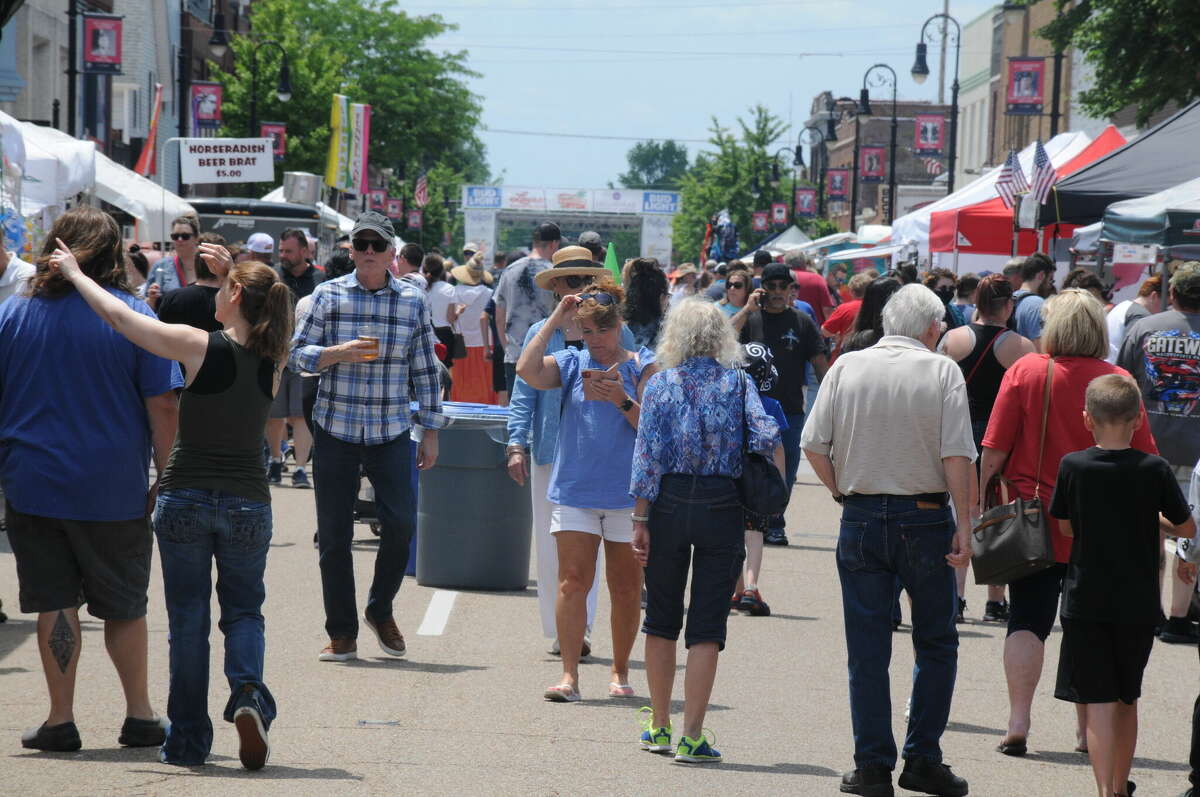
(570, 261)
(683, 270)
(471, 276)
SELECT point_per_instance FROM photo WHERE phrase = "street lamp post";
(875, 76)
(822, 155)
(920, 71)
(283, 90)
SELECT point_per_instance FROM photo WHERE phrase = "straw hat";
(471, 273)
(683, 270)
(570, 261)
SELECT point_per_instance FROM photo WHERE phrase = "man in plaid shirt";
(362, 421)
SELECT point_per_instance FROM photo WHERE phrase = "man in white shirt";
(890, 436)
(15, 274)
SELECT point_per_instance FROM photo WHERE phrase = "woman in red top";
(1075, 336)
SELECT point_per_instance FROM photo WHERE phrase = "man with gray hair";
(810, 286)
(890, 436)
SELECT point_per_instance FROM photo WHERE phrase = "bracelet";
(640, 518)
(514, 448)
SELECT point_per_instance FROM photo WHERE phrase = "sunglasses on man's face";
(777, 286)
(363, 244)
(181, 236)
(599, 297)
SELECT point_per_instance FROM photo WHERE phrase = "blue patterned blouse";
(691, 423)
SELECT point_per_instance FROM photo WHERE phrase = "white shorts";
(614, 525)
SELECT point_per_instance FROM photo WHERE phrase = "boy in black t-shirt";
(1113, 496)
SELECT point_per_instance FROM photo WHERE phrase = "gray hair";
(911, 311)
(796, 259)
(697, 328)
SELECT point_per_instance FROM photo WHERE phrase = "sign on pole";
(277, 132)
(102, 44)
(227, 160)
(1026, 86)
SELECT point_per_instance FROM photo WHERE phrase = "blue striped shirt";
(368, 402)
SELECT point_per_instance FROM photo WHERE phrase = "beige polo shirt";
(888, 415)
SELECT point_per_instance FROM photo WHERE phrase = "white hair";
(697, 328)
(911, 310)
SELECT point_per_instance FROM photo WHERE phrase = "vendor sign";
(227, 160)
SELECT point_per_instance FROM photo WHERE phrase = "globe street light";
(920, 71)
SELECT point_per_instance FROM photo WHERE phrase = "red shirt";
(842, 319)
(1016, 424)
(811, 288)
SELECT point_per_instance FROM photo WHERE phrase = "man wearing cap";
(683, 282)
(370, 337)
(590, 240)
(794, 341)
(1162, 352)
(519, 301)
(261, 246)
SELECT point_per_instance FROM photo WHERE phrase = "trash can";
(473, 521)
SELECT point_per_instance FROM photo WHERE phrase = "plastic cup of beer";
(369, 334)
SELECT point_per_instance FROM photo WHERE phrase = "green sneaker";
(697, 751)
(654, 740)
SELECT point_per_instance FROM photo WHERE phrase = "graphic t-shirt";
(1113, 499)
(523, 301)
(793, 340)
(1162, 352)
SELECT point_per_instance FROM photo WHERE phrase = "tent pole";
(1016, 228)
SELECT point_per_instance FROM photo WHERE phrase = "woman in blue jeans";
(213, 500)
(687, 454)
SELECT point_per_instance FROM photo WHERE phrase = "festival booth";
(877, 257)
(791, 238)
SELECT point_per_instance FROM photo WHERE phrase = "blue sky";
(663, 68)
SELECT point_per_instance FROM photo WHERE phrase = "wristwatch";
(627, 404)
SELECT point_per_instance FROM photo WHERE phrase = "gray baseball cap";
(375, 222)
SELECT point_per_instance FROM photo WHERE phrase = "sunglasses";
(599, 297)
(575, 281)
(181, 236)
(363, 244)
(777, 286)
(738, 285)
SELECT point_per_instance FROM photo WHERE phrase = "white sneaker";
(554, 649)
(908, 707)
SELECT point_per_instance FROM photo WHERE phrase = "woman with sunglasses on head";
(213, 500)
(589, 483)
(177, 270)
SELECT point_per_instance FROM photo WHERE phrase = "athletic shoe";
(962, 610)
(654, 740)
(143, 733)
(752, 603)
(735, 603)
(61, 738)
(391, 641)
(775, 537)
(339, 649)
(300, 479)
(929, 777)
(696, 751)
(253, 747)
(275, 473)
(868, 782)
(996, 612)
(1179, 631)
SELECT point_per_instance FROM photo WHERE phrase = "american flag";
(1011, 180)
(1043, 175)
(421, 192)
(932, 165)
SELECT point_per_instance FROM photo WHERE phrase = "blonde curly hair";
(697, 328)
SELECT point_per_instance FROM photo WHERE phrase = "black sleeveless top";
(984, 383)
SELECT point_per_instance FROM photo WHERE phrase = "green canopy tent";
(1170, 217)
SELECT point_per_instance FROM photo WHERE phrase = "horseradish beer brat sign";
(227, 160)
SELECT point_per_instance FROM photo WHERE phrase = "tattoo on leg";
(62, 642)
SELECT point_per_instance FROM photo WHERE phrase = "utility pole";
(942, 58)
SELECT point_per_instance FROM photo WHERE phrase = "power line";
(594, 136)
(634, 7)
(690, 53)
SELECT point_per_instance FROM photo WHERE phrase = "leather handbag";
(761, 487)
(1012, 539)
(458, 351)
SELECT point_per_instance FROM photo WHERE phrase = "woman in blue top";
(601, 386)
(689, 450)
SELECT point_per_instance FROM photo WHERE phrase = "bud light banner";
(871, 164)
(837, 183)
(929, 133)
(806, 203)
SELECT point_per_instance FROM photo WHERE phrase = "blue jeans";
(791, 458)
(194, 527)
(882, 539)
(339, 466)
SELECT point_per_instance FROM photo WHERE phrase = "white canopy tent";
(791, 238)
(52, 170)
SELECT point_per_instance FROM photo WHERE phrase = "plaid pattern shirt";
(368, 403)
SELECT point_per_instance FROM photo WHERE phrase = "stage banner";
(872, 164)
(837, 183)
(102, 44)
(1026, 86)
(806, 203)
(760, 221)
(929, 133)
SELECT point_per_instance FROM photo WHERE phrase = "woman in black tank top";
(213, 500)
(984, 351)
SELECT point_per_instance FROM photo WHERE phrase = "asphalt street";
(463, 713)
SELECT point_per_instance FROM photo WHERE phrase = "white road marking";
(438, 613)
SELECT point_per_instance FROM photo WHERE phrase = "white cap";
(261, 243)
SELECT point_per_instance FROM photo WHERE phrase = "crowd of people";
(634, 405)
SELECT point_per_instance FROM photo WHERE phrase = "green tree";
(1143, 52)
(737, 175)
(656, 165)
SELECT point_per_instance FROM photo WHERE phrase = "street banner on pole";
(277, 132)
(838, 182)
(779, 212)
(226, 160)
(760, 221)
(146, 160)
(377, 199)
(873, 164)
(929, 133)
(206, 107)
(415, 219)
(102, 44)
(394, 207)
(1026, 86)
(806, 203)
(349, 139)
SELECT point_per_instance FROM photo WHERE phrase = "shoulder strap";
(1037, 485)
(988, 348)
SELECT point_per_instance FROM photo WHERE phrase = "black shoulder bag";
(761, 487)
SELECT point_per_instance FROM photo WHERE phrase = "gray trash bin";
(473, 521)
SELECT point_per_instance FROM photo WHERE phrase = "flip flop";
(562, 693)
(1016, 748)
(620, 690)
